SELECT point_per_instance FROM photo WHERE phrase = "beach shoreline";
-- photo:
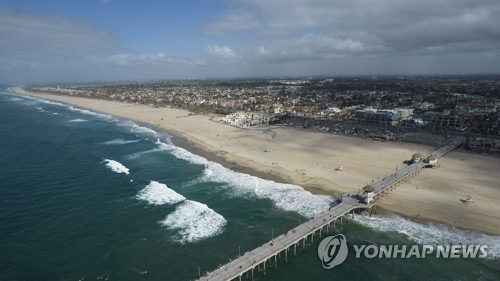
(241, 151)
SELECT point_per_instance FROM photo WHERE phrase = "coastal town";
(382, 108)
(250, 140)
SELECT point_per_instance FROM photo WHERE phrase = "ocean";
(87, 196)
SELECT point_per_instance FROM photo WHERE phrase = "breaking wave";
(116, 166)
(288, 197)
(194, 221)
(134, 128)
(156, 193)
(181, 153)
(430, 233)
(141, 153)
(84, 111)
(88, 112)
(120, 141)
(78, 120)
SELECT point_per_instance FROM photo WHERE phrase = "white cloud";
(234, 21)
(263, 51)
(136, 59)
(37, 33)
(329, 43)
(305, 47)
(396, 26)
(212, 55)
(222, 52)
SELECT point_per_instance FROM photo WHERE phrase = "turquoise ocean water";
(86, 196)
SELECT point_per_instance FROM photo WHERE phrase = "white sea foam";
(120, 141)
(77, 120)
(431, 233)
(285, 196)
(88, 112)
(288, 197)
(181, 153)
(48, 102)
(22, 99)
(84, 111)
(156, 193)
(116, 166)
(134, 128)
(194, 221)
(141, 153)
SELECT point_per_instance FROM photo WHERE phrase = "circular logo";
(332, 251)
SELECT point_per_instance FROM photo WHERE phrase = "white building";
(417, 157)
(368, 194)
(247, 119)
(432, 161)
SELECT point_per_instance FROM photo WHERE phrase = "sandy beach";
(309, 159)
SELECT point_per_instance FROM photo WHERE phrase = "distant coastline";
(309, 159)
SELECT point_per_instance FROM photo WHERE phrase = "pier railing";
(279, 247)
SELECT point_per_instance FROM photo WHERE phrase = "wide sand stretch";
(309, 159)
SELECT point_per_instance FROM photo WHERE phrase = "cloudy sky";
(100, 40)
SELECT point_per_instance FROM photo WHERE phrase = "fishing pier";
(281, 247)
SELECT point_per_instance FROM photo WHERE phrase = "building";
(383, 116)
(444, 122)
(368, 194)
(476, 108)
(417, 157)
(485, 145)
(247, 119)
(431, 161)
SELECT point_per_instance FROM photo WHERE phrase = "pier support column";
(252, 275)
(286, 255)
(295, 249)
(304, 243)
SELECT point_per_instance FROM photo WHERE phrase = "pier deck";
(281, 245)
(401, 175)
